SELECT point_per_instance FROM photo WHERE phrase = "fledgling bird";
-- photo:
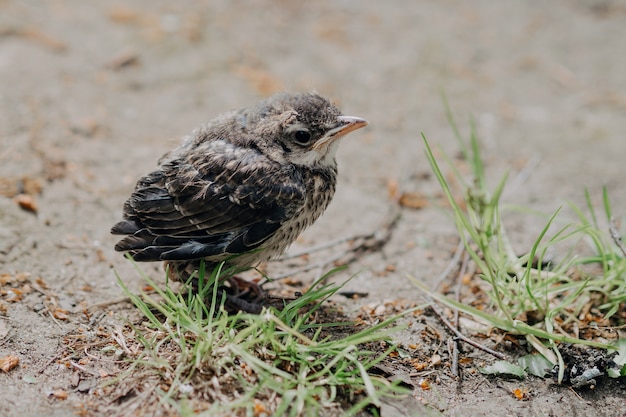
(246, 183)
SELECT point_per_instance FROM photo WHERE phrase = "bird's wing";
(221, 200)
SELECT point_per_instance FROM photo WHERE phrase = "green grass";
(519, 285)
(283, 363)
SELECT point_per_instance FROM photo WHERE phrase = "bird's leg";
(234, 304)
(239, 294)
(246, 290)
(242, 295)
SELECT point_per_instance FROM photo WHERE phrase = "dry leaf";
(13, 295)
(521, 394)
(5, 279)
(61, 314)
(259, 408)
(424, 384)
(291, 281)
(9, 362)
(26, 202)
(413, 200)
(435, 360)
(392, 189)
(101, 256)
(123, 60)
(21, 276)
(12, 186)
(41, 283)
(419, 366)
(59, 394)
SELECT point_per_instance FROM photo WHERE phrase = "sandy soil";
(92, 93)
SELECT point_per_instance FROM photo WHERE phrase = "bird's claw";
(242, 295)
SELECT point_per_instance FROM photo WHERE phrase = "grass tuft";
(562, 297)
(280, 363)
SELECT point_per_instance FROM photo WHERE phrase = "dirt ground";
(92, 93)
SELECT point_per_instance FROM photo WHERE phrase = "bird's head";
(303, 128)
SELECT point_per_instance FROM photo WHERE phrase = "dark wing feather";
(224, 203)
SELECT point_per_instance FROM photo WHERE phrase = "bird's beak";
(345, 125)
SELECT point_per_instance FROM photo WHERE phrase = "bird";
(238, 190)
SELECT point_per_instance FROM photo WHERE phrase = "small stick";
(121, 340)
(105, 304)
(453, 262)
(85, 370)
(523, 174)
(454, 368)
(576, 394)
(370, 241)
(457, 294)
(464, 338)
(616, 236)
(307, 268)
(320, 247)
(54, 358)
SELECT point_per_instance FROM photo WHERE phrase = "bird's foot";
(247, 290)
(249, 297)
(242, 295)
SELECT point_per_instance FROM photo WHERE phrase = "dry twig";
(451, 265)
(85, 370)
(464, 338)
(455, 347)
(616, 236)
(109, 303)
(360, 245)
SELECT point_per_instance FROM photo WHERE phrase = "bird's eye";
(302, 137)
